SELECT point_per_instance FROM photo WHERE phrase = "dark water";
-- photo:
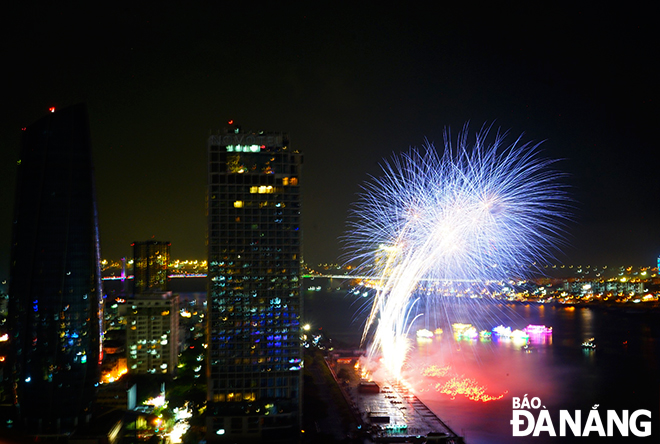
(622, 374)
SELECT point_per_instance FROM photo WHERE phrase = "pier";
(389, 412)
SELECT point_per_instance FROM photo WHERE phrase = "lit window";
(238, 204)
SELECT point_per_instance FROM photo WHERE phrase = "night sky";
(352, 83)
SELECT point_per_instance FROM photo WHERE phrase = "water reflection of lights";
(436, 371)
(459, 385)
(467, 387)
(537, 329)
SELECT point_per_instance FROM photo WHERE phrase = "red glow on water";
(467, 387)
(456, 385)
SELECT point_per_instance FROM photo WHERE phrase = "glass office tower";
(55, 297)
(254, 298)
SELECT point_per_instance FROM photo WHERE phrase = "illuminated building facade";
(254, 298)
(152, 333)
(55, 289)
(150, 262)
(152, 314)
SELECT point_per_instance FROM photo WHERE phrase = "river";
(623, 373)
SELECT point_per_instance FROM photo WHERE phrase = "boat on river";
(589, 344)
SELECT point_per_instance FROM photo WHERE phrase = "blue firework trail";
(478, 212)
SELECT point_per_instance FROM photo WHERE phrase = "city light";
(115, 374)
(158, 401)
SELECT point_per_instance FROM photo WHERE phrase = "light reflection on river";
(622, 374)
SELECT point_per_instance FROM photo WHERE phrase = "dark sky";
(351, 83)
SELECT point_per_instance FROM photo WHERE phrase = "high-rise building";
(152, 314)
(152, 333)
(150, 262)
(254, 278)
(55, 282)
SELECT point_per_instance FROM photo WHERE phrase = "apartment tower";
(152, 313)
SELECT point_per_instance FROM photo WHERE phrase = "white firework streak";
(479, 213)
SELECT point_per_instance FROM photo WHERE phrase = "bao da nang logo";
(531, 418)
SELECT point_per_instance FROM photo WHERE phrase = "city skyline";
(351, 89)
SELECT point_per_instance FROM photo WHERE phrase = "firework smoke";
(478, 212)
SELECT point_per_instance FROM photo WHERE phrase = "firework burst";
(480, 211)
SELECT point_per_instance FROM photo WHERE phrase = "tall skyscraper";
(55, 288)
(152, 314)
(254, 298)
(150, 264)
(152, 333)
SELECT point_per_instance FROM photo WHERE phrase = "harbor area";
(387, 411)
